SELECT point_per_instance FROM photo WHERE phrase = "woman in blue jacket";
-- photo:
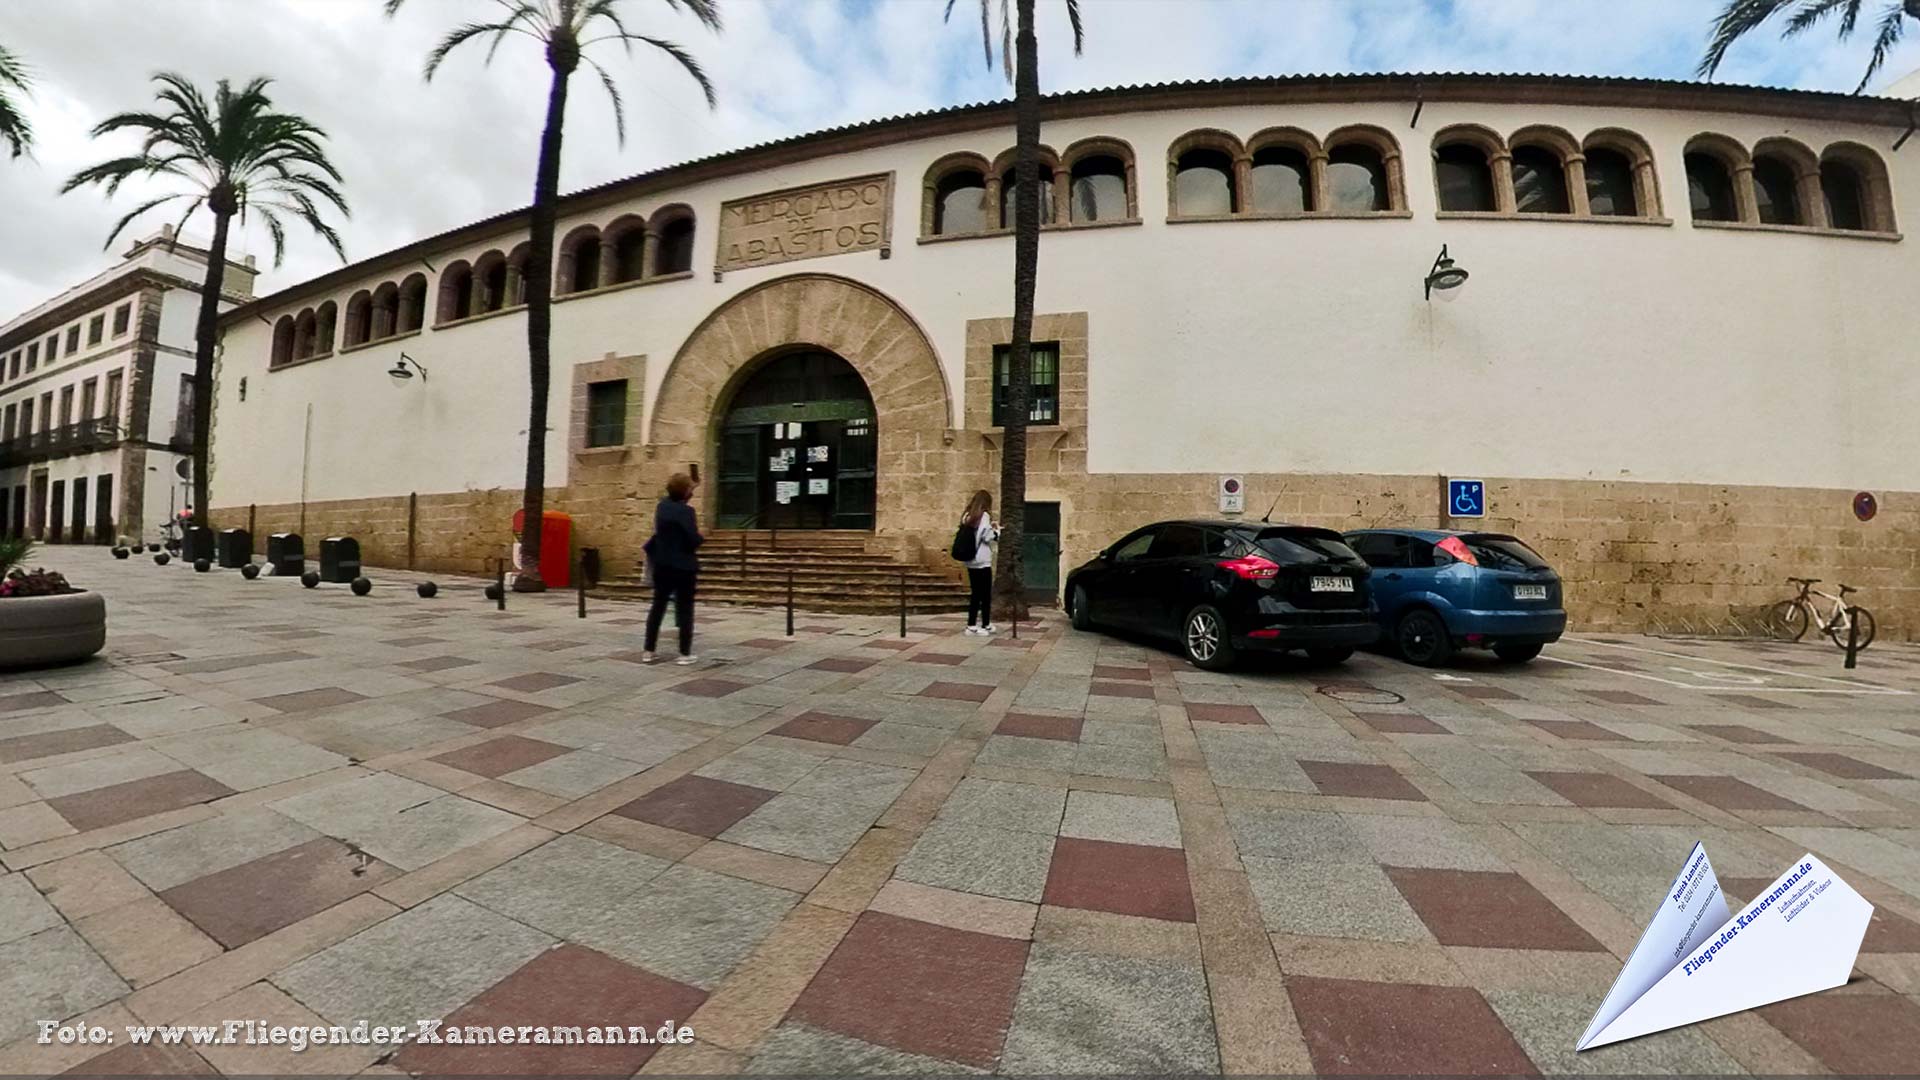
(676, 535)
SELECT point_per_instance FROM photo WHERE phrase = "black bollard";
(426, 589)
(361, 586)
(789, 601)
(1853, 636)
(162, 559)
(310, 579)
(500, 584)
(250, 571)
(580, 585)
(201, 566)
(903, 603)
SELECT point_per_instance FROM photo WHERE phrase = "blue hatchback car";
(1441, 589)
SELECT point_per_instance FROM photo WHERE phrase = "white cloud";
(423, 157)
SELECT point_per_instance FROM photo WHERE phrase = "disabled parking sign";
(1466, 498)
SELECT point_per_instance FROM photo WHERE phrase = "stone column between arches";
(913, 405)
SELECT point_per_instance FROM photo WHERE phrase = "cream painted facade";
(1677, 412)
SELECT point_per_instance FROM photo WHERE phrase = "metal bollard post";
(789, 601)
(903, 603)
(500, 585)
(580, 583)
(1853, 636)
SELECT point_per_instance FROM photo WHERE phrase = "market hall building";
(1687, 341)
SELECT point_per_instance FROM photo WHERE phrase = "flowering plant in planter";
(38, 582)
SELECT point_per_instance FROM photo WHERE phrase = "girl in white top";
(980, 567)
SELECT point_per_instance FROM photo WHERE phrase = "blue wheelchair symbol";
(1466, 498)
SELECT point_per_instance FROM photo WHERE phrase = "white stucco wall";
(1578, 349)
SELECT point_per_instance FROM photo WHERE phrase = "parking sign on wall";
(1466, 498)
(1233, 495)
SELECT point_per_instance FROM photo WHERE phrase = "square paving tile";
(1082, 1013)
(1123, 819)
(995, 804)
(1126, 879)
(254, 899)
(696, 804)
(1728, 793)
(1576, 730)
(131, 1059)
(803, 826)
(1114, 671)
(824, 727)
(134, 799)
(1490, 910)
(1211, 713)
(535, 681)
(708, 687)
(33, 699)
(1121, 690)
(952, 691)
(1621, 697)
(690, 925)
(70, 740)
(1845, 767)
(1399, 723)
(496, 757)
(493, 714)
(1739, 733)
(1591, 789)
(1482, 692)
(564, 987)
(989, 861)
(1360, 781)
(1852, 1033)
(1752, 702)
(308, 700)
(943, 659)
(1367, 1028)
(51, 973)
(846, 665)
(1355, 900)
(1035, 726)
(918, 987)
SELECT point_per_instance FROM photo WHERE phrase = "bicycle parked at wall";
(1788, 620)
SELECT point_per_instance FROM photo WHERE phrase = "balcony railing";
(98, 433)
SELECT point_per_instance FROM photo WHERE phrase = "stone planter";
(36, 631)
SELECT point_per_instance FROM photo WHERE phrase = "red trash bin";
(556, 546)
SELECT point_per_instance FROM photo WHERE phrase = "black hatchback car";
(1221, 587)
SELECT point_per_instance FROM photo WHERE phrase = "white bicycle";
(1788, 620)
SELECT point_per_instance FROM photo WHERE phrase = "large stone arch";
(913, 403)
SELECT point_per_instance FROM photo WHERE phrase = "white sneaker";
(989, 629)
(975, 630)
(648, 658)
(688, 660)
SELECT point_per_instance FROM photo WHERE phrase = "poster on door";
(817, 485)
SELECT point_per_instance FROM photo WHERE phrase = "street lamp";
(1445, 277)
(400, 372)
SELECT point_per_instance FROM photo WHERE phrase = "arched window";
(1611, 190)
(1009, 188)
(413, 303)
(1356, 180)
(1203, 184)
(672, 229)
(960, 203)
(359, 319)
(386, 310)
(628, 236)
(327, 320)
(1854, 187)
(1003, 186)
(1282, 181)
(456, 293)
(1776, 192)
(282, 341)
(1840, 187)
(517, 260)
(489, 282)
(1099, 189)
(1464, 176)
(1539, 181)
(1710, 187)
(305, 335)
(579, 261)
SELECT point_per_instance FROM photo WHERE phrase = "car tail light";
(1252, 567)
(1457, 548)
(1269, 632)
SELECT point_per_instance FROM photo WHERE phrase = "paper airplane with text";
(1696, 960)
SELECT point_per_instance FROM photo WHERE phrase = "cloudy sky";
(420, 157)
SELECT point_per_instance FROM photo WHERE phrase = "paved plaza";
(844, 851)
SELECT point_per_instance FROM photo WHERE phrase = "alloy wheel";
(1203, 636)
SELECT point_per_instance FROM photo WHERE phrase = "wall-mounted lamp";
(403, 369)
(1445, 277)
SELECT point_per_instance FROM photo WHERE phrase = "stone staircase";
(833, 572)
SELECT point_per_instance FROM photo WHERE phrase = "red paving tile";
(1490, 910)
(1111, 671)
(708, 688)
(1393, 723)
(1382, 1029)
(1121, 689)
(953, 691)
(945, 659)
(304, 700)
(116, 803)
(1739, 733)
(1621, 697)
(1126, 879)
(71, 740)
(36, 699)
(1576, 729)
(1211, 713)
(401, 642)
(1360, 781)
(153, 1059)
(535, 681)
(1852, 1033)
(437, 663)
(1751, 702)
(497, 757)
(1842, 766)
(824, 727)
(1011, 643)
(846, 665)
(1727, 793)
(766, 643)
(252, 900)
(1486, 693)
(1061, 728)
(918, 987)
(1595, 790)
(889, 643)
(696, 804)
(495, 714)
(569, 986)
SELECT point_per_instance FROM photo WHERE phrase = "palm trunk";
(204, 340)
(1010, 583)
(546, 197)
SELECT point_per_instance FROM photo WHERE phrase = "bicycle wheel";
(1838, 631)
(1787, 620)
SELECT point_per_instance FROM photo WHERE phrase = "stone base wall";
(1630, 552)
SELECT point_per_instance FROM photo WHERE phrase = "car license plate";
(1529, 592)
(1330, 584)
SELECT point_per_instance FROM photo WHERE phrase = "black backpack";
(966, 542)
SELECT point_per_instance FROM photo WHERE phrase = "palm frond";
(685, 58)
(1079, 28)
(613, 94)
(120, 226)
(1892, 26)
(707, 11)
(14, 126)
(456, 37)
(1740, 18)
(1813, 11)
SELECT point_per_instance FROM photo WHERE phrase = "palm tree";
(1743, 16)
(14, 129)
(564, 29)
(1021, 64)
(233, 155)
